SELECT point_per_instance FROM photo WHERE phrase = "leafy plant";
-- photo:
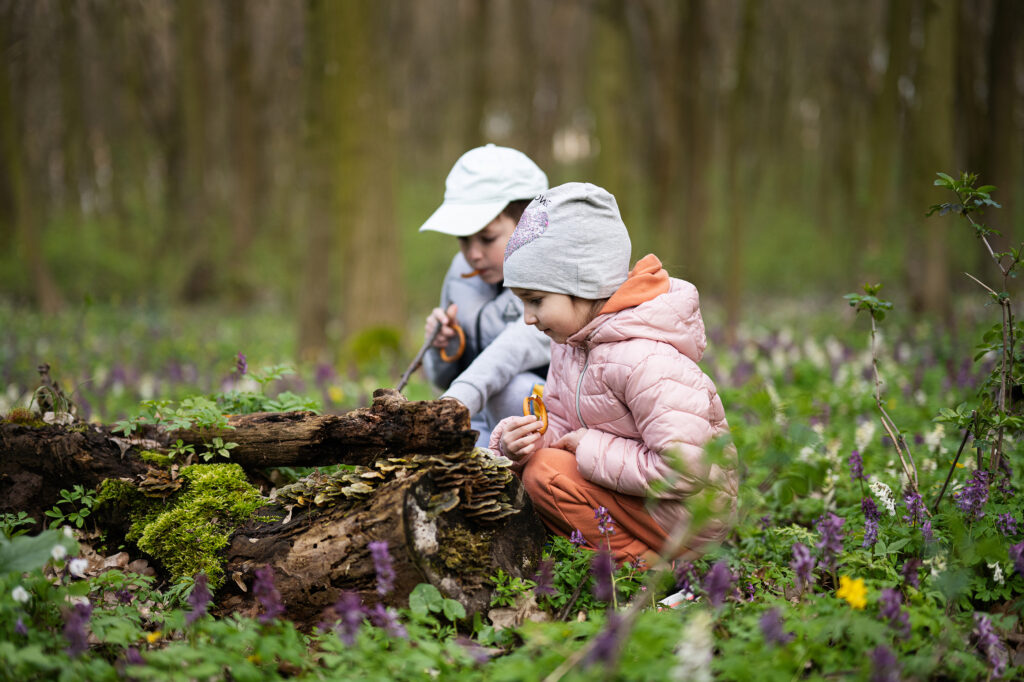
(80, 502)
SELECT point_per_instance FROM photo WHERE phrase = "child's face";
(557, 315)
(485, 250)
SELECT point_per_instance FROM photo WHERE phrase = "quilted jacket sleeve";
(676, 410)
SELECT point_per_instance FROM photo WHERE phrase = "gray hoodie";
(504, 356)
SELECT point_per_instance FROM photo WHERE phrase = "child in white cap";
(485, 194)
(629, 410)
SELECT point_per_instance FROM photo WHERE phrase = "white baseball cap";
(481, 183)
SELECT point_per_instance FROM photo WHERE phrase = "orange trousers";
(566, 502)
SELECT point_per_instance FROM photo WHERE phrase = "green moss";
(188, 534)
(157, 458)
(464, 551)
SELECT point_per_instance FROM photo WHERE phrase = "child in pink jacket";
(629, 409)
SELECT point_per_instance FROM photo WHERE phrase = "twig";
(887, 423)
(416, 361)
(952, 468)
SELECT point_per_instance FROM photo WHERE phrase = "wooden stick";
(418, 360)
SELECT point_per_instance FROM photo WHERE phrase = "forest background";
(280, 155)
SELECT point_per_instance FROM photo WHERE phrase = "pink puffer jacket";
(631, 378)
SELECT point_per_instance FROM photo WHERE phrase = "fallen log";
(38, 460)
(451, 514)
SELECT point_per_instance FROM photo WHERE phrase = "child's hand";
(439, 316)
(570, 441)
(520, 437)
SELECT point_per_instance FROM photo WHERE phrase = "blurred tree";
(191, 218)
(886, 116)
(611, 99)
(321, 126)
(931, 147)
(72, 118)
(246, 165)
(738, 160)
(23, 205)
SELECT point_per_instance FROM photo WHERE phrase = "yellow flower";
(254, 658)
(335, 394)
(853, 591)
(153, 636)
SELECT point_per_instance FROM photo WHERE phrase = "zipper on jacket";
(579, 384)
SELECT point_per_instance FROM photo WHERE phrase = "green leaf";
(424, 599)
(453, 610)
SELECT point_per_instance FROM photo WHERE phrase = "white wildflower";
(818, 428)
(933, 439)
(20, 594)
(864, 435)
(806, 454)
(884, 495)
(814, 353)
(997, 572)
(77, 567)
(146, 386)
(920, 397)
(779, 360)
(68, 532)
(785, 336)
(693, 653)
(937, 564)
(750, 352)
(832, 450)
(58, 552)
(834, 349)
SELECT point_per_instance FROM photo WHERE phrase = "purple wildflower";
(1006, 524)
(387, 620)
(830, 527)
(915, 508)
(605, 522)
(382, 564)
(133, 657)
(926, 531)
(545, 579)
(989, 644)
(576, 538)
(856, 467)
(267, 595)
(75, 621)
(871, 517)
(350, 612)
(773, 628)
(910, 568)
(19, 628)
(971, 500)
(891, 610)
(686, 576)
(765, 523)
(198, 599)
(884, 665)
(870, 533)
(607, 643)
(124, 596)
(718, 583)
(601, 567)
(1017, 557)
(803, 565)
(241, 365)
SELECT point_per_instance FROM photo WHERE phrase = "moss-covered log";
(38, 460)
(317, 555)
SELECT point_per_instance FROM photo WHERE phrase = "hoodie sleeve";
(518, 348)
(675, 408)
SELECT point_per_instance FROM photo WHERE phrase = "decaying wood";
(392, 424)
(451, 516)
(37, 462)
(316, 556)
